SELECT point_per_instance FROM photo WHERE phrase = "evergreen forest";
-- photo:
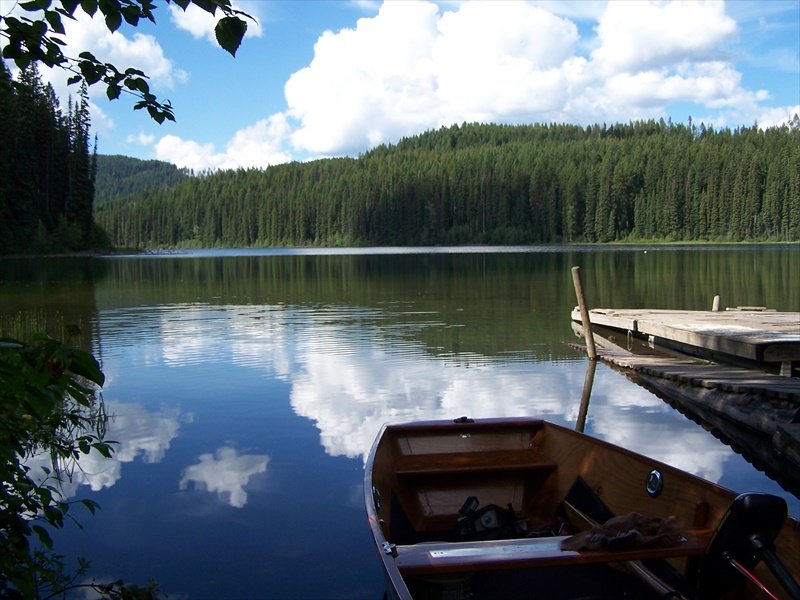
(47, 171)
(464, 184)
(124, 177)
(492, 184)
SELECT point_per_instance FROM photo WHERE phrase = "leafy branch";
(48, 404)
(39, 38)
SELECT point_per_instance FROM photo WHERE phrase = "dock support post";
(586, 394)
(591, 351)
(715, 305)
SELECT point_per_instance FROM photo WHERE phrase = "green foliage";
(491, 184)
(48, 404)
(47, 188)
(38, 37)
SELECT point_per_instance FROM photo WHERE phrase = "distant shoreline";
(384, 249)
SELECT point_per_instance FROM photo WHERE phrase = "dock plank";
(755, 335)
(697, 372)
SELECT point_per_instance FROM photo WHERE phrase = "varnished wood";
(424, 472)
(495, 461)
(422, 559)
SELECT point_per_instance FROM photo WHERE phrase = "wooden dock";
(711, 366)
(746, 336)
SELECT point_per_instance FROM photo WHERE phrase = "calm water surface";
(246, 388)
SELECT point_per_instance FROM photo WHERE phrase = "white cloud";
(187, 154)
(261, 144)
(367, 84)
(258, 145)
(143, 139)
(495, 61)
(638, 36)
(777, 116)
(412, 67)
(418, 65)
(101, 122)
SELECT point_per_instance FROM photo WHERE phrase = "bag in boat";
(490, 522)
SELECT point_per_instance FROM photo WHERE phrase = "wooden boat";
(491, 508)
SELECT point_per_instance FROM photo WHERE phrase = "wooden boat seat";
(437, 558)
(495, 461)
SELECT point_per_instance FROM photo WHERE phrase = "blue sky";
(316, 79)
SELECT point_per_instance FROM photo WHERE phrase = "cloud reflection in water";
(137, 431)
(226, 472)
(353, 369)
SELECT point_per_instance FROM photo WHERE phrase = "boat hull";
(419, 476)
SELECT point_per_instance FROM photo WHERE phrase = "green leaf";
(113, 21)
(69, 7)
(104, 449)
(230, 32)
(155, 114)
(43, 536)
(113, 91)
(54, 19)
(82, 363)
(31, 6)
(91, 72)
(131, 14)
(74, 79)
(34, 5)
(36, 31)
(91, 505)
(141, 85)
(207, 5)
(89, 7)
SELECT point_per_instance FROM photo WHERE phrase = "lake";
(247, 386)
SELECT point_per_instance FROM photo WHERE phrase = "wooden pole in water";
(591, 351)
(588, 381)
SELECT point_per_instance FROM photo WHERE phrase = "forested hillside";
(46, 168)
(122, 177)
(493, 184)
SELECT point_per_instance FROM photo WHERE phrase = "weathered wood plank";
(755, 335)
(699, 372)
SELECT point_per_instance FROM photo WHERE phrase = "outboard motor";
(743, 538)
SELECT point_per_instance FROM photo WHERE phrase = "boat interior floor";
(602, 581)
